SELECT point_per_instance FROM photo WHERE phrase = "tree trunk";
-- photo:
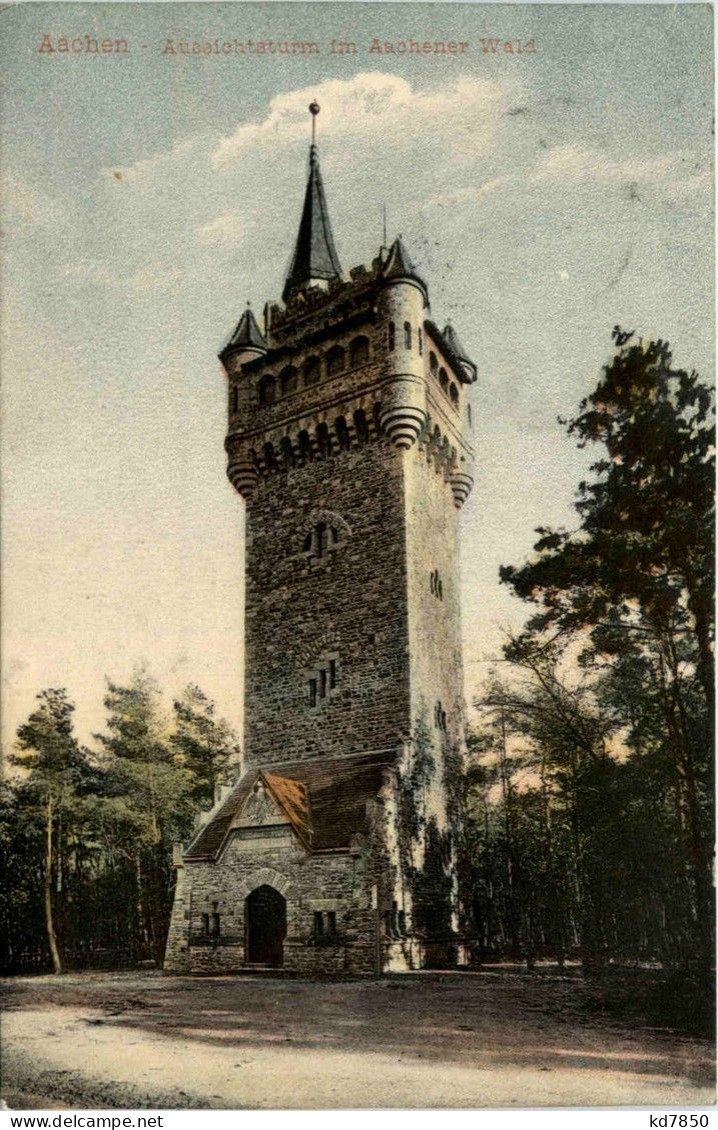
(697, 852)
(49, 923)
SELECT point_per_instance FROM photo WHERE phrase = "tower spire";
(315, 258)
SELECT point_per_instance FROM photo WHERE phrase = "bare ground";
(138, 1040)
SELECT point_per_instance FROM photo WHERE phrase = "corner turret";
(465, 364)
(402, 301)
(246, 343)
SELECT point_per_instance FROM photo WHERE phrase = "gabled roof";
(325, 801)
(293, 797)
(315, 256)
(247, 332)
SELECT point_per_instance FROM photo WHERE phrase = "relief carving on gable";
(259, 809)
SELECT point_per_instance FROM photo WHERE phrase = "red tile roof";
(324, 799)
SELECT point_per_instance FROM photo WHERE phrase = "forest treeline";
(590, 789)
(86, 835)
(589, 776)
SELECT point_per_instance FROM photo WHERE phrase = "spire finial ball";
(314, 108)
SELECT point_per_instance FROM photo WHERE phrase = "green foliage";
(205, 745)
(95, 831)
(609, 692)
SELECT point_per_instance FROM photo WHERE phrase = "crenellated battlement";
(352, 363)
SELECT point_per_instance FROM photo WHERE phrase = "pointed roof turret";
(315, 256)
(247, 338)
(247, 333)
(452, 340)
(398, 265)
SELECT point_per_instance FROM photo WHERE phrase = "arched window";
(311, 371)
(270, 459)
(342, 433)
(439, 716)
(267, 390)
(335, 361)
(407, 335)
(287, 453)
(324, 442)
(233, 398)
(433, 363)
(361, 427)
(454, 393)
(443, 379)
(435, 584)
(288, 379)
(322, 538)
(305, 447)
(391, 336)
(359, 351)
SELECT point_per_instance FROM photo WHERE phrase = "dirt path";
(132, 1040)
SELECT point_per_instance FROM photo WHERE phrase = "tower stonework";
(349, 440)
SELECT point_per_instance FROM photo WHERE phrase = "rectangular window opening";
(332, 674)
(331, 921)
(318, 923)
(323, 683)
(205, 925)
(312, 692)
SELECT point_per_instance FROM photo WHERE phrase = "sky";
(546, 195)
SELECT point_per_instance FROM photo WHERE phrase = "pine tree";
(635, 579)
(49, 753)
(205, 745)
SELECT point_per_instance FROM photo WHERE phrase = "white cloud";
(226, 231)
(23, 203)
(567, 163)
(165, 165)
(380, 108)
(148, 278)
(469, 195)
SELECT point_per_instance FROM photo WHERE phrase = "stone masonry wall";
(349, 606)
(321, 882)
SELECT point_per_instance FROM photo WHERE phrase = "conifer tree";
(54, 762)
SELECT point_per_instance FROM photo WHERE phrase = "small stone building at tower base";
(290, 872)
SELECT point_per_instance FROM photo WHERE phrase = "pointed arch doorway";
(265, 916)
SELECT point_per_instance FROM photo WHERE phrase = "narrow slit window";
(205, 925)
(323, 683)
(391, 335)
(332, 674)
(420, 340)
(331, 921)
(407, 335)
(318, 923)
(312, 692)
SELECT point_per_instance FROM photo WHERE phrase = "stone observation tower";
(349, 440)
